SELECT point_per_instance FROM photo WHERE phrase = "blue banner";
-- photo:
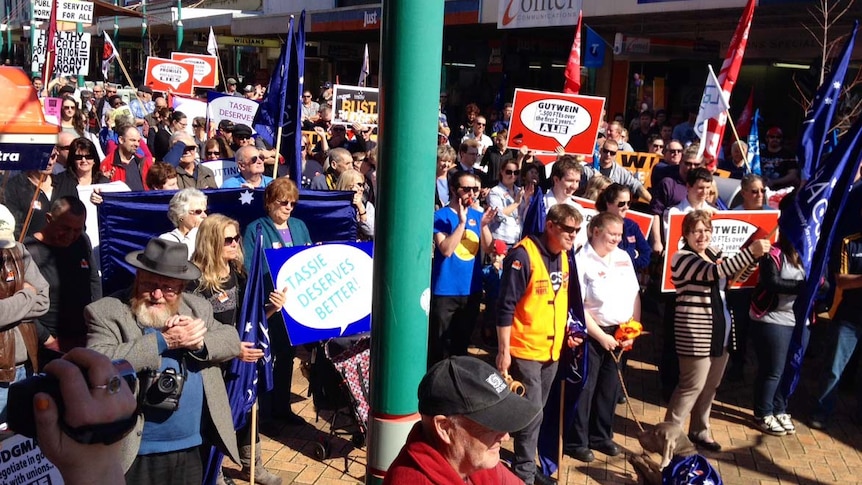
(329, 289)
(270, 116)
(18, 153)
(594, 49)
(753, 165)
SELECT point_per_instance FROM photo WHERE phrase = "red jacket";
(420, 464)
(107, 165)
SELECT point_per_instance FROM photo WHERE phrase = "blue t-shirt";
(236, 182)
(461, 273)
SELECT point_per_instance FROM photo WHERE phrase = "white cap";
(7, 228)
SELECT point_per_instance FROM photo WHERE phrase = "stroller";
(338, 375)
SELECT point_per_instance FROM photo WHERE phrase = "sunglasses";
(197, 212)
(306, 95)
(68, 107)
(255, 159)
(757, 191)
(285, 203)
(774, 137)
(691, 165)
(89, 156)
(568, 229)
(480, 124)
(470, 188)
(230, 240)
(189, 149)
(624, 203)
(609, 152)
(658, 146)
(674, 150)
(512, 172)
(241, 138)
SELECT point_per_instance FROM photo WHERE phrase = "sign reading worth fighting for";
(544, 120)
(732, 231)
(354, 104)
(328, 289)
(206, 68)
(167, 75)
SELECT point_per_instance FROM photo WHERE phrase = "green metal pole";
(180, 32)
(9, 31)
(80, 29)
(116, 23)
(409, 94)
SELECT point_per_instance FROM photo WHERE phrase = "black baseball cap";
(241, 131)
(471, 388)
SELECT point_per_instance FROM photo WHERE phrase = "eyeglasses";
(255, 159)
(167, 289)
(306, 95)
(658, 146)
(285, 203)
(209, 153)
(568, 229)
(701, 232)
(189, 150)
(88, 156)
(197, 212)
(674, 150)
(68, 107)
(609, 152)
(624, 203)
(512, 172)
(691, 164)
(470, 188)
(757, 191)
(230, 240)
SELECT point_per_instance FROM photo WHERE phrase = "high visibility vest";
(539, 325)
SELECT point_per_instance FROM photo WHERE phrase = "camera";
(162, 390)
(20, 410)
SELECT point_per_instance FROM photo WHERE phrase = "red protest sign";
(206, 68)
(544, 120)
(167, 75)
(732, 231)
(644, 221)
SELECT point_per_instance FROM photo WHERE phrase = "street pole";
(180, 32)
(410, 60)
(80, 29)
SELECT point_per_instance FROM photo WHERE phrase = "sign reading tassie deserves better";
(167, 75)
(732, 231)
(544, 120)
(328, 289)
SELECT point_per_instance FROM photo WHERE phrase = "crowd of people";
(565, 286)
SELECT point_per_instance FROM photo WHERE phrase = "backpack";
(764, 301)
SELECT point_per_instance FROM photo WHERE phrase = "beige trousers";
(699, 377)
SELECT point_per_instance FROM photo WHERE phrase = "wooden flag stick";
(253, 457)
(30, 210)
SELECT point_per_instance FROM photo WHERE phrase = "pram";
(338, 375)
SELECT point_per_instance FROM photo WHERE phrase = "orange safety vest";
(539, 325)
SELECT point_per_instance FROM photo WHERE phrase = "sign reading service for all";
(542, 121)
(328, 289)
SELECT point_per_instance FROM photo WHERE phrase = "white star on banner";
(827, 100)
(246, 197)
(836, 85)
(248, 327)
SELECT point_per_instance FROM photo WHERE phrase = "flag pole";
(30, 210)
(253, 457)
(736, 135)
(125, 72)
(560, 438)
(278, 153)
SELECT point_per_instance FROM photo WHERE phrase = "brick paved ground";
(749, 457)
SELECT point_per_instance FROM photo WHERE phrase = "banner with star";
(128, 220)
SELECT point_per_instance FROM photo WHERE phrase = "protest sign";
(75, 11)
(52, 108)
(223, 169)
(732, 231)
(206, 68)
(544, 120)
(21, 461)
(192, 108)
(328, 289)
(167, 75)
(640, 164)
(354, 104)
(92, 221)
(226, 107)
(73, 54)
(39, 47)
(42, 9)
(644, 221)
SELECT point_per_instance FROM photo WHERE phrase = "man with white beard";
(170, 336)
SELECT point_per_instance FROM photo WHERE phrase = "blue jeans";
(20, 374)
(844, 339)
(770, 397)
(537, 377)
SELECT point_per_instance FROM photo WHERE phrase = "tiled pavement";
(749, 457)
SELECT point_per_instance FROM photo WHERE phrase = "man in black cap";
(467, 413)
(141, 106)
(231, 87)
(170, 336)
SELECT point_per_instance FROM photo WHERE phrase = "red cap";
(774, 131)
(500, 247)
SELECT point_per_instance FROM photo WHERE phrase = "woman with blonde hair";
(596, 185)
(353, 181)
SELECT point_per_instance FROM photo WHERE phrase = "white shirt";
(685, 207)
(609, 285)
(581, 236)
(484, 142)
(189, 239)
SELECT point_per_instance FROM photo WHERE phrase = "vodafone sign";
(516, 14)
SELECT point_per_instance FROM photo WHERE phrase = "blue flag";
(594, 49)
(534, 218)
(818, 120)
(753, 164)
(329, 216)
(271, 114)
(292, 133)
(810, 224)
(245, 378)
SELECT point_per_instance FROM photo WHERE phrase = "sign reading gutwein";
(22, 462)
(542, 121)
(328, 289)
(167, 75)
(354, 104)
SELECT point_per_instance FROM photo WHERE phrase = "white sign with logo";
(21, 461)
(75, 11)
(223, 169)
(42, 9)
(518, 14)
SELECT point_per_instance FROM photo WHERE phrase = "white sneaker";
(770, 425)
(786, 423)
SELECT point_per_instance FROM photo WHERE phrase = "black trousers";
(594, 419)
(172, 468)
(451, 325)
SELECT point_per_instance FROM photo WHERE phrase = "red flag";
(743, 123)
(51, 46)
(726, 79)
(573, 68)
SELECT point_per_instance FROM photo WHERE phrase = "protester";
(339, 160)
(596, 185)
(778, 165)
(508, 199)
(703, 326)
(186, 210)
(737, 164)
(83, 169)
(159, 136)
(491, 274)
(162, 176)
(123, 162)
(189, 172)
(251, 168)
(445, 162)
(467, 412)
(212, 150)
(141, 106)
(199, 127)
(353, 181)
(753, 193)
(614, 171)
(76, 124)
(19, 196)
(617, 199)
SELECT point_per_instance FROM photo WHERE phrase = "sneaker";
(786, 422)
(770, 425)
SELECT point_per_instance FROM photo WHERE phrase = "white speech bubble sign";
(559, 119)
(171, 74)
(328, 286)
(202, 67)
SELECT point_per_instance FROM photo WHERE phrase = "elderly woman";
(507, 198)
(611, 296)
(703, 327)
(353, 181)
(212, 151)
(445, 162)
(279, 230)
(187, 209)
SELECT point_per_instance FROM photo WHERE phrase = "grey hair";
(181, 135)
(179, 205)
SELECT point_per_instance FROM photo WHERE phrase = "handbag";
(764, 301)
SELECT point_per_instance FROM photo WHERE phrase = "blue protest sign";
(328, 289)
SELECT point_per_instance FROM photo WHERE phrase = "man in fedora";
(160, 329)
(467, 413)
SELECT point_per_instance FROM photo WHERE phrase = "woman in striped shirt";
(702, 324)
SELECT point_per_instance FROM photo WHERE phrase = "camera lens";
(166, 384)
